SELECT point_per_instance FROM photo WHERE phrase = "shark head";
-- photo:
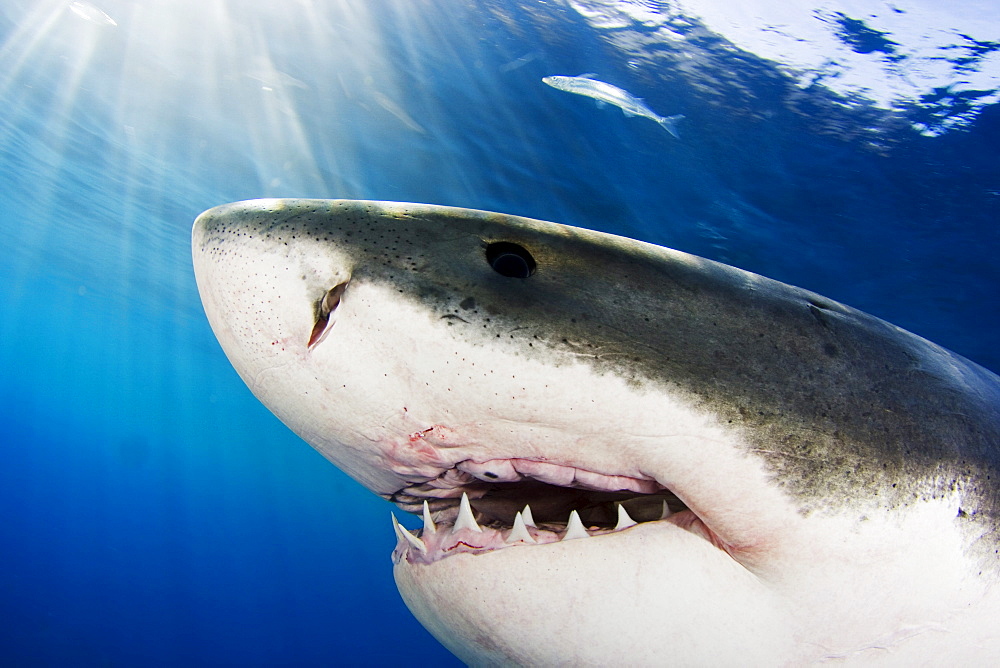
(621, 452)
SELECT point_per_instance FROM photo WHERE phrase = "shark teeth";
(520, 531)
(528, 519)
(465, 519)
(460, 532)
(665, 513)
(403, 534)
(624, 521)
(575, 528)
(429, 526)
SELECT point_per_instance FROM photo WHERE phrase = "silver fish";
(605, 92)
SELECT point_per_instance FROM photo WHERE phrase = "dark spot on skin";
(468, 303)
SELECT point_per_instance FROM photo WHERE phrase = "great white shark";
(623, 454)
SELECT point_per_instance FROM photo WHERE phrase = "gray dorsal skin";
(831, 477)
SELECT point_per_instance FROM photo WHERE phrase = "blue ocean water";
(155, 514)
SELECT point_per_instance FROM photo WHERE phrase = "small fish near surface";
(606, 93)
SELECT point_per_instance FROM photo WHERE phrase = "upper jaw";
(500, 482)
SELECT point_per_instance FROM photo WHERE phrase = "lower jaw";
(639, 593)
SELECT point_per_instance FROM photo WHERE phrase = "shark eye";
(509, 259)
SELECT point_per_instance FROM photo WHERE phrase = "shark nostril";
(325, 308)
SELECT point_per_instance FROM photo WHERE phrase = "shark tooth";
(407, 536)
(528, 519)
(624, 521)
(666, 512)
(519, 532)
(574, 528)
(465, 519)
(429, 526)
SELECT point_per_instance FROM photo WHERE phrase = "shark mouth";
(483, 507)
